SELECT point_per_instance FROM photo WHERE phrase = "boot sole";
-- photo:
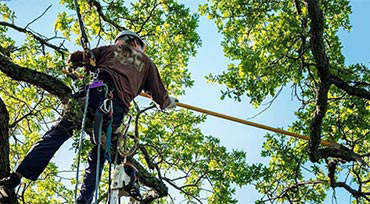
(5, 195)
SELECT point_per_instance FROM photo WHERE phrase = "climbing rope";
(124, 151)
(89, 59)
(220, 115)
(88, 55)
(80, 140)
(105, 108)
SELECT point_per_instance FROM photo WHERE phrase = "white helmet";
(130, 33)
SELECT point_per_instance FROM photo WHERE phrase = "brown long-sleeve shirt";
(131, 72)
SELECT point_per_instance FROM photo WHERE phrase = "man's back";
(131, 72)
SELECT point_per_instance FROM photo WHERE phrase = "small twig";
(268, 104)
(99, 9)
(38, 17)
(180, 189)
(150, 15)
(38, 38)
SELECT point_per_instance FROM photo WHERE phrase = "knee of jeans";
(63, 128)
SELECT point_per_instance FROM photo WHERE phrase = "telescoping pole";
(257, 125)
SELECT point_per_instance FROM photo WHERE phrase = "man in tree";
(126, 70)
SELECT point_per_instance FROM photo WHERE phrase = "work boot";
(131, 188)
(7, 186)
(133, 191)
(11, 181)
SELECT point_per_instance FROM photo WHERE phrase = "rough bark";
(39, 79)
(4, 152)
(341, 152)
(326, 79)
(322, 66)
(4, 140)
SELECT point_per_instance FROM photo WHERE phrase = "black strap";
(98, 125)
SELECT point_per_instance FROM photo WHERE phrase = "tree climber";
(126, 70)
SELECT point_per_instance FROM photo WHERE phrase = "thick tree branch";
(322, 66)
(351, 90)
(4, 152)
(317, 42)
(326, 79)
(146, 156)
(341, 152)
(354, 192)
(43, 41)
(316, 122)
(39, 79)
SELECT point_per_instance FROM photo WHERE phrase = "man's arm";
(155, 87)
(76, 58)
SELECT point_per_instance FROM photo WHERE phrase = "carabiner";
(107, 107)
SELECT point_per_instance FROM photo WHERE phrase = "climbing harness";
(106, 108)
(220, 115)
(125, 180)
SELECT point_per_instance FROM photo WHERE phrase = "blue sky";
(210, 59)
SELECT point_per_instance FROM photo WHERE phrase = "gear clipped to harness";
(124, 183)
(124, 180)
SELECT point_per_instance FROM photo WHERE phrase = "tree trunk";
(4, 140)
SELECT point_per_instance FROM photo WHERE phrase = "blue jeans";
(42, 151)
